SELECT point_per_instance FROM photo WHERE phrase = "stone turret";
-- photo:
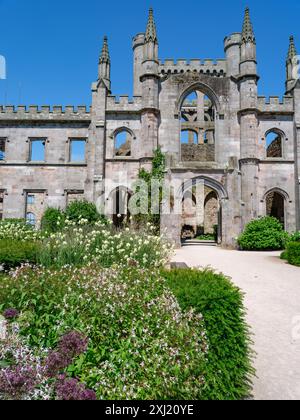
(138, 58)
(97, 130)
(248, 120)
(104, 64)
(290, 66)
(150, 88)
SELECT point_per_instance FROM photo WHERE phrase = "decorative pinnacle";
(292, 49)
(151, 35)
(248, 33)
(105, 58)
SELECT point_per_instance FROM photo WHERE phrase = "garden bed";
(229, 369)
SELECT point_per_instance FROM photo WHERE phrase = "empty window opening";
(121, 215)
(74, 196)
(35, 205)
(2, 149)
(30, 199)
(275, 203)
(1, 204)
(37, 150)
(77, 150)
(197, 128)
(123, 142)
(274, 145)
(189, 137)
(31, 219)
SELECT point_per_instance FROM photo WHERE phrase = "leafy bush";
(79, 210)
(53, 220)
(294, 237)
(293, 253)
(13, 253)
(266, 233)
(228, 370)
(141, 344)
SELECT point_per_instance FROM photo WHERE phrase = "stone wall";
(198, 152)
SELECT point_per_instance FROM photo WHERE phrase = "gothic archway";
(202, 216)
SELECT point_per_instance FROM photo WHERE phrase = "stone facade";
(228, 119)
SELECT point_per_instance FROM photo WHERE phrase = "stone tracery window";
(197, 136)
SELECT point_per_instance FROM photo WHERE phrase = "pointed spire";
(151, 29)
(292, 49)
(248, 33)
(105, 58)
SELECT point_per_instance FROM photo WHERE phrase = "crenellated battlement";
(44, 112)
(124, 103)
(276, 104)
(215, 68)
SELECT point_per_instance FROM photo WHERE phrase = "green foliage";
(157, 173)
(293, 253)
(53, 220)
(206, 237)
(79, 210)
(228, 371)
(294, 237)
(14, 253)
(79, 244)
(266, 233)
(17, 229)
(141, 344)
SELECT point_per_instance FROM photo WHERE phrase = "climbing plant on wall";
(156, 174)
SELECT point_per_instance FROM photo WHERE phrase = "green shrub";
(79, 210)
(266, 233)
(294, 237)
(141, 344)
(293, 253)
(228, 371)
(14, 253)
(53, 220)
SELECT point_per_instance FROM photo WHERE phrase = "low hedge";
(229, 369)
(293, 253)
(14, 253)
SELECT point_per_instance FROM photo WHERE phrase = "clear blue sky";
(52, 47)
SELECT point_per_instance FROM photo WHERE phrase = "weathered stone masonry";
(227, 126)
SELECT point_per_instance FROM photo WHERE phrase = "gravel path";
(272, 299)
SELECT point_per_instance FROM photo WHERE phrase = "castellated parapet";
(242, 150)
(216, 68)
(44, 112)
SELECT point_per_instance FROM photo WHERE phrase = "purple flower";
(55, 363)
(17, 381)
(70, 346)
(69, 389)
(11, 313)
(73, 344)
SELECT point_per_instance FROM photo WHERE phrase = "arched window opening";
(31, 219)
(198, 113)
(275, 203)
(189, 137)
(121, 214)
(274, 145)
(123, 141)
